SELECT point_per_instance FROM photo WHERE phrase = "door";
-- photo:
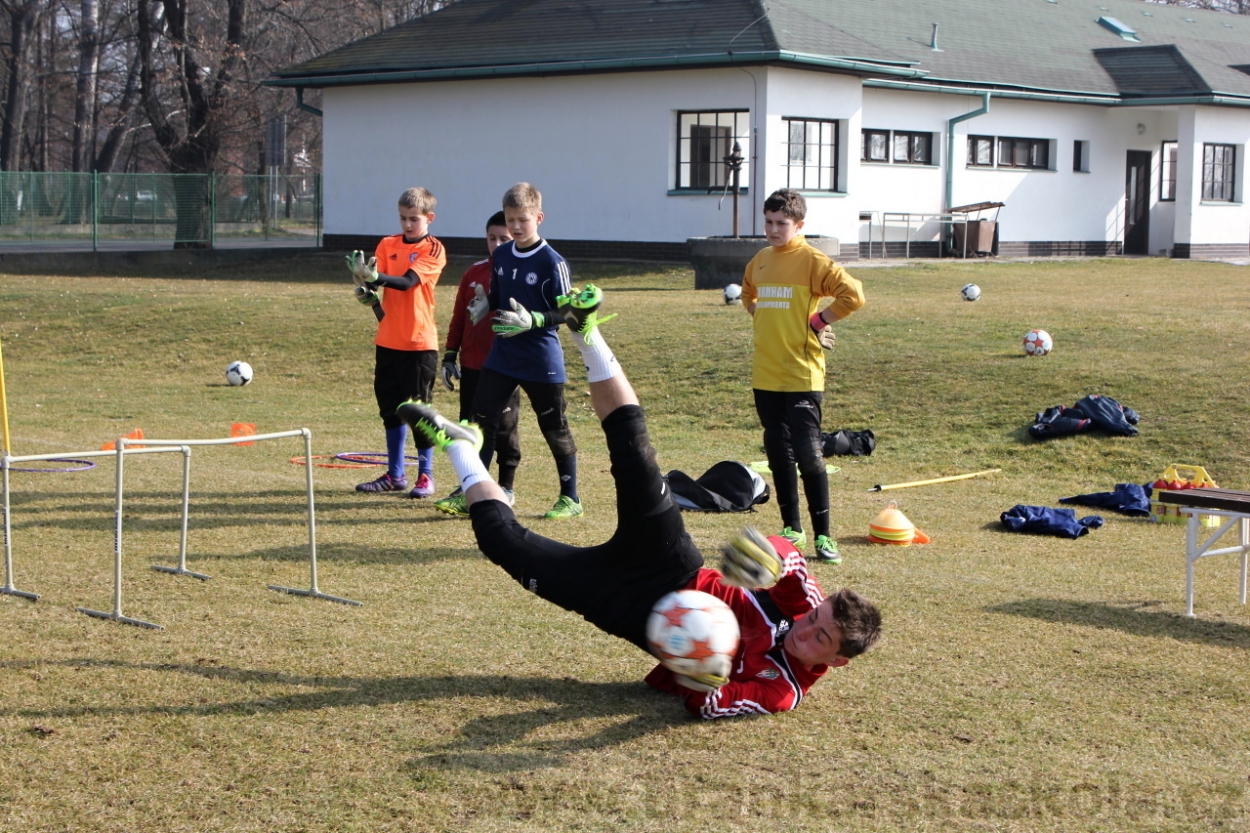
(1137, 203)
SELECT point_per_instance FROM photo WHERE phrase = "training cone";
(136, 434)
(243, 429)
(892, 527)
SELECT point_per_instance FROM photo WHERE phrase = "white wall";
(601, 148)
(1211, 222)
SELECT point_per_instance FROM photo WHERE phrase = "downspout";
(300, 105)
(950, 147)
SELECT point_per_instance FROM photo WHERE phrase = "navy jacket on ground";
(1127, 499)
(1043, 520)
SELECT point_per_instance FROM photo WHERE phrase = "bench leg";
(1245, 552)
(1191, 555)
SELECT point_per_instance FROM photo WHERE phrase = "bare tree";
(88, 69)
(23, 17)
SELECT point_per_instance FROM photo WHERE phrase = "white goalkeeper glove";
(450, 371)
(824, 332)
(701, 682)
(479, 306)
(749, 561)
(363, 271)
(366, 296)
(518, 320)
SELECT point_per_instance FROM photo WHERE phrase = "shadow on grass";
(1137, 619)
(588, 715)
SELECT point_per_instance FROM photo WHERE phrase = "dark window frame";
(827, 154)
(916, 140)
(1026, 153)
(865, 146)
(974, 142)
(1219, 172)
(1167, 171)
(703, 142)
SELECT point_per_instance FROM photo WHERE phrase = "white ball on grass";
(238, 373)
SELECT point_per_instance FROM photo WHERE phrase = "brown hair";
(789, 202)
(418, 198)
(523, 196)
(859, 621)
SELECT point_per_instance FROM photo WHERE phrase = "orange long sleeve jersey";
(409, 320)
(785, 285)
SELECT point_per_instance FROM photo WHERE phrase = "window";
(704, 139)
(812, 154)
(981, 151)
(1167, 172)
(876, 146)
(1080, 156)
(912, 148)
(1218, 167)
(1023, 153)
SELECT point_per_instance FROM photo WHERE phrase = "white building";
(1103, 126)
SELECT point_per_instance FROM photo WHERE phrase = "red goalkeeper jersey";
(765, 678)
(409, 320)
(472, 340)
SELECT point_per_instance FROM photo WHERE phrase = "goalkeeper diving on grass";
(791, 634)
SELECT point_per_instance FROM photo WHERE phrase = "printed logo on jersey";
(532, 278)
(394, 256)
(774, 297)
(769, 674)
(412, 257)
(783, 626)
(499, 271)
(532, 586)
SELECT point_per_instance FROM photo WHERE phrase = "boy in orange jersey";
(404, 270)
(781, 288)
(471, 344)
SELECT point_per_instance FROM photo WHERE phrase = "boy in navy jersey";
(528, 277)
(791, 634)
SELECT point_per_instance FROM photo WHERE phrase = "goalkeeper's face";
(414, 223)
(523, 224)
(816, 639)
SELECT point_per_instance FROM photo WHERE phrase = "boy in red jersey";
(781, 289)
(404, 269)
(471, 343)
(791, 635)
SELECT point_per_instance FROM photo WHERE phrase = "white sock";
(467, 464)
(601, 363)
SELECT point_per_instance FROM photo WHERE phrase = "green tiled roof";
(1035, 46)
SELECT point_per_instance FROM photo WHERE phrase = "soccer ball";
(1038, 342)
(733, 294)
(238, 373)
(971, 292)
(693, 632)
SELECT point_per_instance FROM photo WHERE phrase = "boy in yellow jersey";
(781, 289)
(404, 270)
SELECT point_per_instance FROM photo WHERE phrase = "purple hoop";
(83, 465)
(371, 458)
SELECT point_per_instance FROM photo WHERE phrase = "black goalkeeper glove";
(450, 371)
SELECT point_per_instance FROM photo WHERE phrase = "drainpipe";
(950, 146)
(300, 105)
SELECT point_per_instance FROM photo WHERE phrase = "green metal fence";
(191, 209)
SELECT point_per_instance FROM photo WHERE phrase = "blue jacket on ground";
(1127, 499)
(1043, 520)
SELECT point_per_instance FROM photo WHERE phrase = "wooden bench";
(1225, 503)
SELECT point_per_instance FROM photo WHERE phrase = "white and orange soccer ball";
(1038, 343)
(693, 633)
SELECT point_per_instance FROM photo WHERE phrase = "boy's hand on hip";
(518, 320)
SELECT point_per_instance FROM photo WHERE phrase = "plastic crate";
(1188, 477)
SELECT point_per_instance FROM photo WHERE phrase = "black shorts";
(613, 585)
(400, 375)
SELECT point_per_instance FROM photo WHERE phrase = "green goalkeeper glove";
(450, 371)
(701, 682)
(366, 296)
(363, 271)
(518, 320)
(749, 561)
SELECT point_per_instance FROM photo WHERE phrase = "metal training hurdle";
(7, 462)
(313, 591)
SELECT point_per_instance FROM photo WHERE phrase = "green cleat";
(827, 550)
(565, 507)
(795, 537)
(453, 505)
(579, 310)
(436, 429)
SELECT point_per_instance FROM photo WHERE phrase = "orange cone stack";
(893, 527)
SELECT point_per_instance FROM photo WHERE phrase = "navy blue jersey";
(535, 279)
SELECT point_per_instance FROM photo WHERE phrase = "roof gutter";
(307, 108)
(950, 146)
(1104, 100)
(851, 65)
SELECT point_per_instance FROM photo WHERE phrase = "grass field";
(1024, 684)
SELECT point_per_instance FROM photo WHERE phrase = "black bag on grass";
(725, 487)
(842, 443)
